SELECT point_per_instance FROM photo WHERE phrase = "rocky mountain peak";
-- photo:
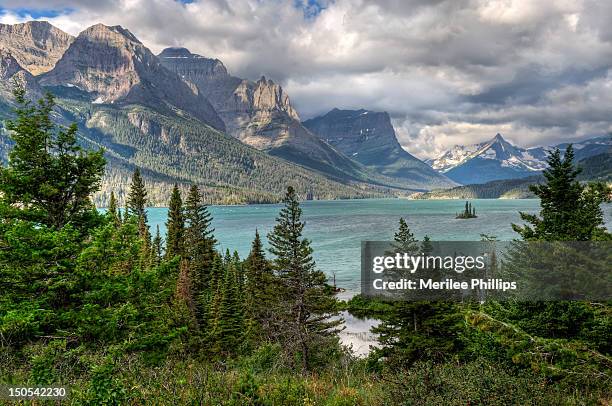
(35, 45)
(269, 96)
(8, 65)
(103, 61)
(369, 138)
(193, 67)
(102, 32)
(490, 160)
(352, 128)
(113, 66)
(176, 52)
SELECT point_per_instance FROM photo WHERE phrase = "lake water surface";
(336, 228)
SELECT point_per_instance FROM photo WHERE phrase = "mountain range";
(498, 159)
(260, 114)
(182, 118)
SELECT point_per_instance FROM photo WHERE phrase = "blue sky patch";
(311, 8)
(36, 12)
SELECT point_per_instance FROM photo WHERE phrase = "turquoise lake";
(336, 228)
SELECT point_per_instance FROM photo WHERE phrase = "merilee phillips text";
(448, 284)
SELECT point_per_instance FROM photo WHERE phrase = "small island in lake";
(468, 213)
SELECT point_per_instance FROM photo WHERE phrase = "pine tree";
(260, 289)
(404, 239)
(46, 220)
(308, 305)
(137, 197)
(229, 325)
(136, 204)
(199, 248)
(156, 248)
(175, 225)
(570, 211)
(199, 237)
(227, 258)
(113, 211)
(49, 178)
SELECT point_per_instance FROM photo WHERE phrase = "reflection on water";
(357, 335)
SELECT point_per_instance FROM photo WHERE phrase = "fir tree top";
(570, 211)
(137, 197)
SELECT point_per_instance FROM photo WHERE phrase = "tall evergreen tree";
(199, 236)
(175, 225)
(260, 287)
(137, 197)
(404, 240)
(227, 258)
(199, 248)
(309, 304)
(570, 211)
(113, 212)
(46, 217)
(136, 204)
(49, 178)
(229, 323)
(156, 248)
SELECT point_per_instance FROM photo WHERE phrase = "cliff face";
(113, 66)
(12, 73)
(369, 138)
(244, 106)
(35, 45)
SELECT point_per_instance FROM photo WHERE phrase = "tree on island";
(468, 213)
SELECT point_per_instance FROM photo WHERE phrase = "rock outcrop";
(11, 74)
(35, 45)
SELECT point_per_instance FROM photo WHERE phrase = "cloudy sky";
(449, 72)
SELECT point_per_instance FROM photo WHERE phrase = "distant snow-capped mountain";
(498, 159)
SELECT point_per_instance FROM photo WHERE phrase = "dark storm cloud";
(448, 71)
